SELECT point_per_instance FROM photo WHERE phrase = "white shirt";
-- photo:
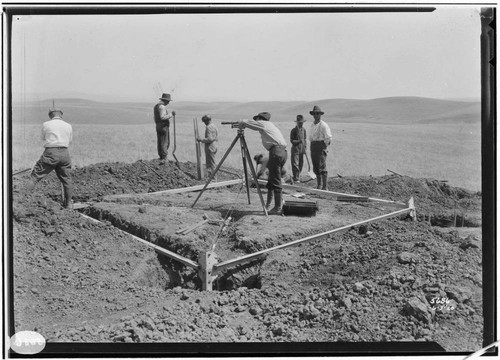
(320, 132)
(269, 133)
(56, 133)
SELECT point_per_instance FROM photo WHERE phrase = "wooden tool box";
(300, 207)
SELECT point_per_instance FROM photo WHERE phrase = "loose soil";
(76, 280)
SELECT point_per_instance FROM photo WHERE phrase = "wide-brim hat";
(300, 119)
(166, 97)
(316, 110)
(55, 111)
(262, 115)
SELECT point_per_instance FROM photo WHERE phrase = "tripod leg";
(254, 174)
(243, 156)
(216, 169)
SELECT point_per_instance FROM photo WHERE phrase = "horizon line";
(31, 99)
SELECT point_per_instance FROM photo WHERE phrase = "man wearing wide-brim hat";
(275, 143)
(320, 137)
(162, 121)
(298, 138)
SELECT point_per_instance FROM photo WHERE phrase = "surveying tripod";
(245, 157)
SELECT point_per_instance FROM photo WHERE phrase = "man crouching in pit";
(275, 143)
(261, 168)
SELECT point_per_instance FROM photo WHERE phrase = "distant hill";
(391, 110)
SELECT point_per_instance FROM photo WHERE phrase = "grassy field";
(446, 151)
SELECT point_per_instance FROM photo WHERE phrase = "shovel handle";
(308, 163)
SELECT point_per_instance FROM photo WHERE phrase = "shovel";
(311, 174)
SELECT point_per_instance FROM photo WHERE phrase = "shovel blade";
(311, 175)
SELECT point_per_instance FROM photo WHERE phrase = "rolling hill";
(390, 110)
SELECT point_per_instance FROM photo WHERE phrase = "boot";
(270, 196)
(29, 187)
(68, 202)
(278, 203)
(318, 181)
(325, 181)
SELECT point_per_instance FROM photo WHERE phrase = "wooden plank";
(170, 254)
(179, 190)
(393, 172)
(21, 171)
(335, 194)
(246, 258)
(188, 229)
(78, 206)
(351, 198)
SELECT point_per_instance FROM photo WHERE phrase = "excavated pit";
(451, 220)
(158, 218)
(80, 281)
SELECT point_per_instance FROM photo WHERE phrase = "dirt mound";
(80, 281)
(94, 181)
(435, 200)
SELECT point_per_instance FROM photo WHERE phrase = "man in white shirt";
(320, 137)
(57, 135)
(275, 143)
(211, 137)
(162, 121)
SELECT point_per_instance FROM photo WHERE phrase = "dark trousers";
(163, 137)
(277, 159)
(57, 159)
(318, 157)
(297, 162)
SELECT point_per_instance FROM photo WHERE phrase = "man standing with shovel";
(298, 138)
(320, 137)
(162, 121)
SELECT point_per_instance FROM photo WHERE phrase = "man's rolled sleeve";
(327, 134)
(164, 115)
(252, 124)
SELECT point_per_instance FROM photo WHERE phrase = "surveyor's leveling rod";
(175, 142)
(198, 148)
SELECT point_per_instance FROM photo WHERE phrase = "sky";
(248, 57)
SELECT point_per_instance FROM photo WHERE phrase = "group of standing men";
(57, 135)
(320, 138)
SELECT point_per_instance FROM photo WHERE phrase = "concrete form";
(209, 267)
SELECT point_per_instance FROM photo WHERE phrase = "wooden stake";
(207, 261)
